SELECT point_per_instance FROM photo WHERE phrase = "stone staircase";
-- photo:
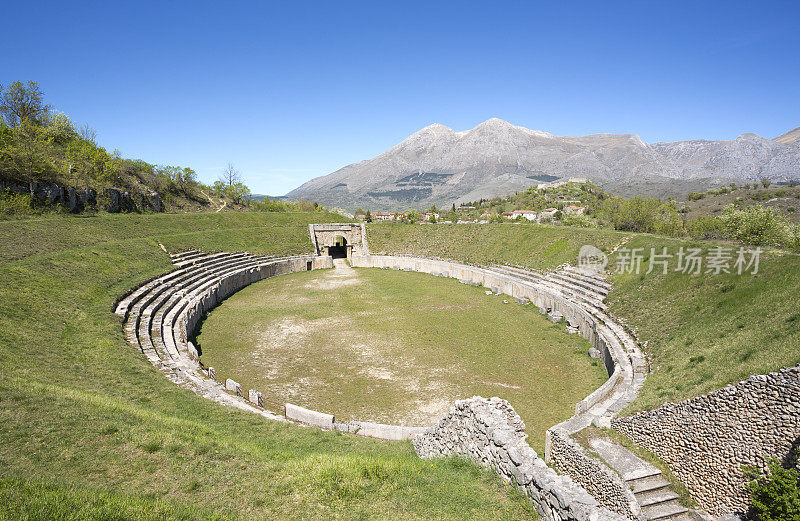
(653, 493)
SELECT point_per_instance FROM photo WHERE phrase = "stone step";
(594, 280)
(648, 484)
(664, 511)
(575, 293)
(562, 276)
(627, 464)
(653, 497)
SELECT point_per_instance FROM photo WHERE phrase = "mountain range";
(440, 166)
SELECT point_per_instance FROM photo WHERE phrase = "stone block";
(233, 386)
(303, 415)
(594, 352)
(256, 397)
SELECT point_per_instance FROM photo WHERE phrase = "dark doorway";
(339, 249)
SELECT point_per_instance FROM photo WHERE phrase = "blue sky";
(287, 91)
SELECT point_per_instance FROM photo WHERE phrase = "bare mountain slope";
(790, 137)
(440, 166)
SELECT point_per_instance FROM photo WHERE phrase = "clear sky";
(287, 91)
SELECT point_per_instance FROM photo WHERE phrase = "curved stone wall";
(707, 439)
(161, 316)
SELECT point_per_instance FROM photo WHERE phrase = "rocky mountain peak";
(437, 165)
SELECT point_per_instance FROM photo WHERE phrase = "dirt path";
(211, 200)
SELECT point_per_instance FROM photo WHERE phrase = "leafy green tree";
(21, 102)
(368, 216)
(219, 188)
(26, 155)
(87, 164)
(238, 192)
(60, 129)
(765, 182)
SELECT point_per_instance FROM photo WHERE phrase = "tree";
(765, 182)
(238, 192)
(230, 176)
(59, 128)
(368, 217)
(21, 103)
(88, 133)
(219, 188)
(27, 155)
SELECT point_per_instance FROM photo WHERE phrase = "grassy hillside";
(702, 332)
(89, 425)
(784, 199)
(532, 245)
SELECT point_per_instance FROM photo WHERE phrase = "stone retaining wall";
(490, 433)
(706, 440)
(568, 456)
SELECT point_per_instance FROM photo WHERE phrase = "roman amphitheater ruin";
(705, 440)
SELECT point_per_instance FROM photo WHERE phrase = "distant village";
(547, 202)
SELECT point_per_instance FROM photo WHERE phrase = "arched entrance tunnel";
(338, 250)
(339, 240)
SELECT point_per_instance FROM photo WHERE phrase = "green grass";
(706, 331)
(539, 246)
(701, 332)
(114, 439)
(397, 347)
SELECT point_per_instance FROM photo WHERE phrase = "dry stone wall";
(568, 456)
(706, 440)
(491, 433)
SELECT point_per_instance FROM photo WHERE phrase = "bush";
(776, 494)
(579, 220)
(15, 204)
(695, 196)
(757, 225)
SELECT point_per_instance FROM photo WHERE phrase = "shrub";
(696, 196)
(756, 225)
(579, 220)
(15, 204)
(775, 494)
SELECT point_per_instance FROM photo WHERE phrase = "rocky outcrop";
(77, 200)
(491, 433)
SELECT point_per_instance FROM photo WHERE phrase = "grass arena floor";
(396, 347)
